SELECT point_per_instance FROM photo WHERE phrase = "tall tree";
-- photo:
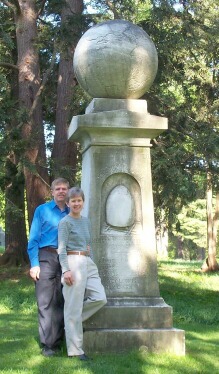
(36, 177)
(186, 91)
(26, 15)
(34, 160)
(64, 153)
(212, 226)
(12, 179)
(26, 161)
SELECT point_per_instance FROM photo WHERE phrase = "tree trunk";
(162, 241)
(15, 234)
(64, 153)
(15, 225)
(35, 171)
(210, 264)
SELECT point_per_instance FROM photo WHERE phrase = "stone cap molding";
(116, 127)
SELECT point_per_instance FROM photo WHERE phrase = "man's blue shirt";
(44, 229)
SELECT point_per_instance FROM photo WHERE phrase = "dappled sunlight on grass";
(206, 334)
(17, 294)
(188, 273)
(192, 294)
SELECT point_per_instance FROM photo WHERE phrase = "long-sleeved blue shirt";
(44, 229)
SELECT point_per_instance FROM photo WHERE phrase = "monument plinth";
(115, 135)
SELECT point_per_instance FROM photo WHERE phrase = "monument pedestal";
(123, 340)
(133, 323)
(115, 136)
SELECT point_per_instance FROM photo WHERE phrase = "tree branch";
(7, 3)
(8, 65)
(41, 8)
(14, 4)
(113, 9)
(44, 80)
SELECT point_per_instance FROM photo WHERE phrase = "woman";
(83, 292)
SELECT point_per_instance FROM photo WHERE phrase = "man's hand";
(35, 273)
(68, 278)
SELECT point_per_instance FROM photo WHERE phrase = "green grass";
(195, 301)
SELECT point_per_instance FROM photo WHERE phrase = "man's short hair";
(59, 181)
(75, 191)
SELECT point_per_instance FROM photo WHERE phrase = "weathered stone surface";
(116, 154)
(109, 105)
(116, 179)
(146, 340)
(120, 208)
(123, 122)
(136, 313)
(115, 59)
(116, 62)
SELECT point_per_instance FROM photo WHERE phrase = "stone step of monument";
(123, 340)
(134, 317)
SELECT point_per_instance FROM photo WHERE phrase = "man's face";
(59, 192)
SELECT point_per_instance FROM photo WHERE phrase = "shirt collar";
(53, 205)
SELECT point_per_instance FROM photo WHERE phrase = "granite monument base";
(122, 340)
(133, 323)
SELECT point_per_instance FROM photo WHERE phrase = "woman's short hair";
(75, 191)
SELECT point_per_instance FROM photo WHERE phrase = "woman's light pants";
(84, 298)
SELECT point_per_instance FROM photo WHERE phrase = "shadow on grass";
(190, 295)
(195, 310)
(20, 353)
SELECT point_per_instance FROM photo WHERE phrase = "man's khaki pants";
(84, 298)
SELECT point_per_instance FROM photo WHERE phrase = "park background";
(39, 95)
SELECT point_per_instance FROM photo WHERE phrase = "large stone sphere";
(115, 59)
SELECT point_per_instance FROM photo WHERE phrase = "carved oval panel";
(120, 207)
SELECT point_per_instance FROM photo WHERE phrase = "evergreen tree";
(33, 47)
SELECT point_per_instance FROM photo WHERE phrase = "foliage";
(56, 27)
(193, 295)
(185, 90)
(2, 212)
(188, 238)
(193, 222)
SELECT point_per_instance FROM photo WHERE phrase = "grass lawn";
(193, 295)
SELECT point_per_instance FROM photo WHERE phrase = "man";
(45, 268)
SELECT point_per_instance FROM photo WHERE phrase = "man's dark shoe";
(48, 352)
(82, 357)
(57, 349)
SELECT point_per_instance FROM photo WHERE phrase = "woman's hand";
(68, 278)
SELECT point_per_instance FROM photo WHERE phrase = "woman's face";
(76, 204)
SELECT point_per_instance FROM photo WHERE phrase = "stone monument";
(116, 62)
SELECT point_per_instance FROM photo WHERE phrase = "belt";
(49, 249)
(79, 253)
